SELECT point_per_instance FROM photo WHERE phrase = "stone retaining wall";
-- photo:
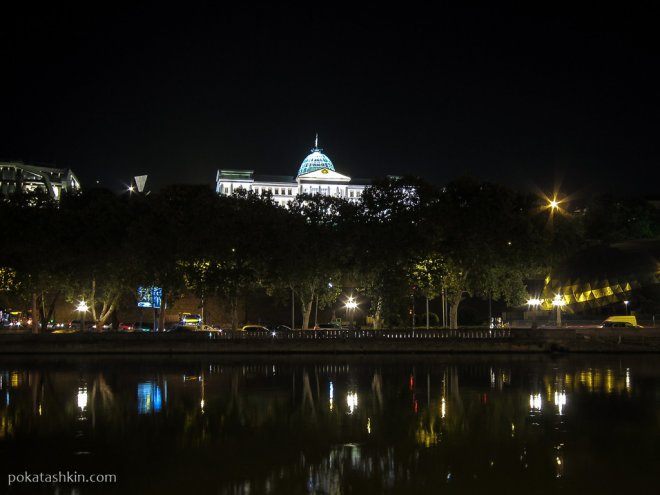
(306, 342)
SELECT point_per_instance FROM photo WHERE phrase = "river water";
(300, 425)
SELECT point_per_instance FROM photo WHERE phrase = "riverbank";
(474, 340)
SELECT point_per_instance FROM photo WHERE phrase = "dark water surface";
(294, 425)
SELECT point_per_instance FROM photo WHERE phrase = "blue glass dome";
(315, 161)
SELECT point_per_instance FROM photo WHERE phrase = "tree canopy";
(404, 237)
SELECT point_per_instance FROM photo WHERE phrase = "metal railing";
(305, 335)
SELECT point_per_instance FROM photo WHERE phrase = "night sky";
(519, 97)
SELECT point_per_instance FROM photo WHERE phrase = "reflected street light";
(82, 308)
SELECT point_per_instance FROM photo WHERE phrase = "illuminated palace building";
(316, 175)
(16, 176)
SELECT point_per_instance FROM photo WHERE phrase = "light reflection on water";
(368, 425)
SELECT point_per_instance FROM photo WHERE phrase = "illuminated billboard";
(149, 297)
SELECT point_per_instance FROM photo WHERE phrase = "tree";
(310, 252)
(36, 261)
(492, 242)
(426, 277)
(98, 223)
(392, 234)
(175, 228)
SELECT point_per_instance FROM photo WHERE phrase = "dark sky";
(519, 97)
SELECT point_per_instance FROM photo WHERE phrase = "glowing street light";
(131, 189)
(533, 304)
(82, 308)
(626, 303)
(351, 304)
(553, 204)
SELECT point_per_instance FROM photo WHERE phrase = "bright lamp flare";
(82, 306)
(352, 402)
(82, 397)
(558, 301)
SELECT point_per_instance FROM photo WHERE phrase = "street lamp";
(82, 308)
(534, 304)
(350, 308)
(626, 303)
(558, 302)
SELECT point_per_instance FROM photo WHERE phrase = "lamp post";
(558, 302)
(82, 308)
(533, 306)
(626, 303)
(350, 308)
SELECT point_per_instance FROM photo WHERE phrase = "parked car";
(618, 324)
(75, 325)
(628, 321)
(328, 326)
(66, 330)
(279, 330)
(180, 329)
(143, 326)
(191, 319)
(255, 328)
(208, 328)
(125, 327)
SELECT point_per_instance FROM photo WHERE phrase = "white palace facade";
(316, 175)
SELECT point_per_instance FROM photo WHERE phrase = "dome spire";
(316, 160)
